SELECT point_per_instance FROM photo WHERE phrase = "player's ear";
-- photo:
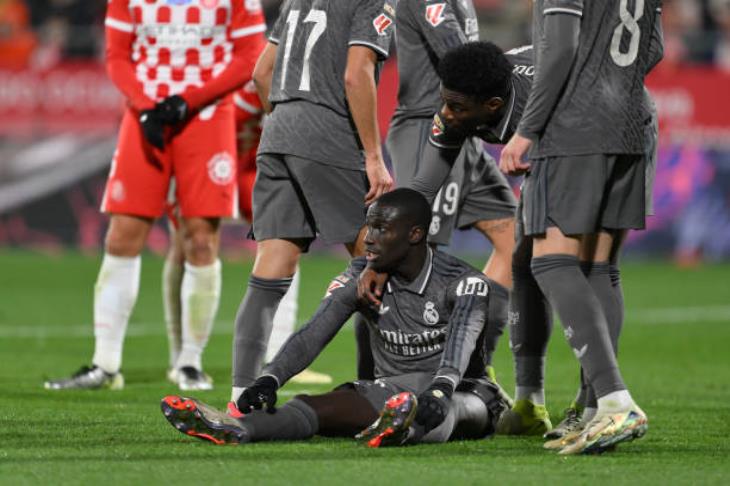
(416, 235)
(494, 103)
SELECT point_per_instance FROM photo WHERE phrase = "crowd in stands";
(40, 33)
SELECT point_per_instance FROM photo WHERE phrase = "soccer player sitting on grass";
(425, 338)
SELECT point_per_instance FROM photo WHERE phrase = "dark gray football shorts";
(474, 191)
(298, 198)
(377, 392)
(584, 194)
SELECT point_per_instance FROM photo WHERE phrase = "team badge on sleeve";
(435, 14)
(472, 286)
(337, 283)
(381, 23)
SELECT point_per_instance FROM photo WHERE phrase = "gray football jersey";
(602, 108)
(310, 116)
(432, 324)
(427, 29)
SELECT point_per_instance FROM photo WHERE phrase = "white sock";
(115, 293)
(285, 319)
(617, 401)
(172, 275)
(533, 394)
(588, 414)
(200, 295)
(236, 392)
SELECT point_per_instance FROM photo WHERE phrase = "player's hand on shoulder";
(511, 160)
(153, 128)
(262, 392)
(433, 404)
(173, 110)
(378, 177)
(370, 287)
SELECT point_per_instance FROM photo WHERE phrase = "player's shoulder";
(521, 56)
(458, 276)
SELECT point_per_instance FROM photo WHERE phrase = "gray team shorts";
(474, 191)
(377, 392)
(584, 194)
(297, 198)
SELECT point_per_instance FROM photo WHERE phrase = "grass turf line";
(678, 373)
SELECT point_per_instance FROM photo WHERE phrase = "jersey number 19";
(319, 19)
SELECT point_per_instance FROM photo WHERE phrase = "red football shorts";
(201, 156)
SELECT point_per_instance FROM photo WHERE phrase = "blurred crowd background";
(59, 112)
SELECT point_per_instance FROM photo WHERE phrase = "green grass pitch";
(674, 356)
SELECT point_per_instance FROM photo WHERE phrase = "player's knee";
(123, 243)
(201, 248)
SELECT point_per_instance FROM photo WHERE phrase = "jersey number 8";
(319, 19)
(631, 24)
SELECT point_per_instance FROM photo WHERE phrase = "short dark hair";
(411, 206)
(478, 69)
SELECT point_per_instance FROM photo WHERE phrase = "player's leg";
(556, 268)
(530, 328)
(134, 196)
(488, 205)
(172, 275)
(204, 155)
(339, 413)
(283, 229)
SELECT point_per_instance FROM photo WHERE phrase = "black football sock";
(614, 274)
(341, 413)
(295, 420)
(254, 321)
(365, 362)
(581, 313)
(599, 278)
(531, 323)
(497, 319)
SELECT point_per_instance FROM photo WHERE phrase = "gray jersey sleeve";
(339, 303)
(556, 48)
(468, 318)
(278, 28)
(656, 46)
(373, 25)
(439, 25)
(439, 156)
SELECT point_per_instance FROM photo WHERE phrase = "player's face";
(387, 239)
(464, 113)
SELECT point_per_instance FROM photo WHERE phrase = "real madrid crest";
(430, 314)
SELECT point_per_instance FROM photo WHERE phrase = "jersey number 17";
(319, 19)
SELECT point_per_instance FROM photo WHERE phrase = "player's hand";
(370, 286)
(378, 176)
(433, 405)
(153, 128)
(262, 392)
(510, 162)
(172, 110)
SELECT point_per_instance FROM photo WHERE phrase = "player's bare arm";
(361, 93)
(557, 48)
(263, 72)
